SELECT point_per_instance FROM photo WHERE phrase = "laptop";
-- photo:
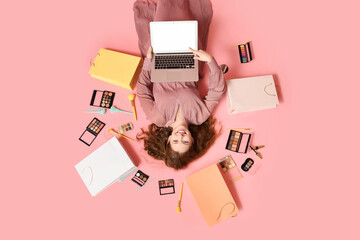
(172, 60)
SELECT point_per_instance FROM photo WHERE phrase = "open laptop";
(172, 60)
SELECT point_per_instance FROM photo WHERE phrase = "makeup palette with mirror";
(102, 99)
(92, 131)
(247, 164)
(238, 141)
(229, 167)
(140, 178)
(166, 186)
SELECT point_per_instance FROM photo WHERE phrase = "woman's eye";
(175, 141)
(186, 142)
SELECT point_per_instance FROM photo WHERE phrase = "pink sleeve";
(217, 86)
(145, 95)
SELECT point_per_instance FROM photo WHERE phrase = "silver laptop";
(172, 60)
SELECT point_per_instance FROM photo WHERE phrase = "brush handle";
(119, 134)
(181, 189)
(133, 107)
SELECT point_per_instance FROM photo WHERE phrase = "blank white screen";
(173, 37)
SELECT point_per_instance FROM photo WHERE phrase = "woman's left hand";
(202, 55)
(149, 53)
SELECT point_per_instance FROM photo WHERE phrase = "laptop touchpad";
(174, 76)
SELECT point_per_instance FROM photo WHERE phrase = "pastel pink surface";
(306, 186)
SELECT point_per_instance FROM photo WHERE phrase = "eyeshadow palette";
(247, 164)
(245, 52)
(238, 141)
(125, 127)
(103, 99)
(91, 131)
(166, 186)
(140, 178)
(228, 165)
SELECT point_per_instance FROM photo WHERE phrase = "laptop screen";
(174, 36)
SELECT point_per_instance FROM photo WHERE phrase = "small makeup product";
(245, 52)
(119, 134)
(258, 147)
(102, 99)
(224, 68)
(228, 165)
(256, 152)
(100, 111)
(131, 97)
(247, 164)
(92, 131)
(166, 186)
(178, 208)
(140, 178)
(115, 109)
(125, 127)
(238, 141)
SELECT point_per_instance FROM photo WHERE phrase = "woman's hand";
(149, 53)
(202, 55)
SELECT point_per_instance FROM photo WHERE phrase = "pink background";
(307, 186)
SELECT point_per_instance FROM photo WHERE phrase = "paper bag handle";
(221, 210)
(267, 92)
(92, 174)
(91, 61)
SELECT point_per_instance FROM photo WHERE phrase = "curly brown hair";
(156, 143)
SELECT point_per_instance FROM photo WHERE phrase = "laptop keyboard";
(174, 61)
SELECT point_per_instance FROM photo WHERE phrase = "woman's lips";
(181, 131)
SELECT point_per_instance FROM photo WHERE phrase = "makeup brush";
(178, 209)
(114, 109)
(131, 98)
(257, 153)
(101, 111)
(119, 134)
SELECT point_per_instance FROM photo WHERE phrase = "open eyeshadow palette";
(247, 164)
(238, 141)
(166, 186)
(125, 127)
(140, 178)
(228, 165)
(92, 131)
(102, 99)
(245, 52)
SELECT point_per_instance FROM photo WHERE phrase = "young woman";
(182, 128)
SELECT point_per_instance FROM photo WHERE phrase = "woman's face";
(180, 139)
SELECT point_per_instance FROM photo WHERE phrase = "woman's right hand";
(149, 53)
(202, 55)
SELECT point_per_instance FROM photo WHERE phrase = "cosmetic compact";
(245, 52)
(92, 131)
(247, 164)
(230, 169)
(238, 141)
(140, 178)
(102, 99)
(166, 186)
